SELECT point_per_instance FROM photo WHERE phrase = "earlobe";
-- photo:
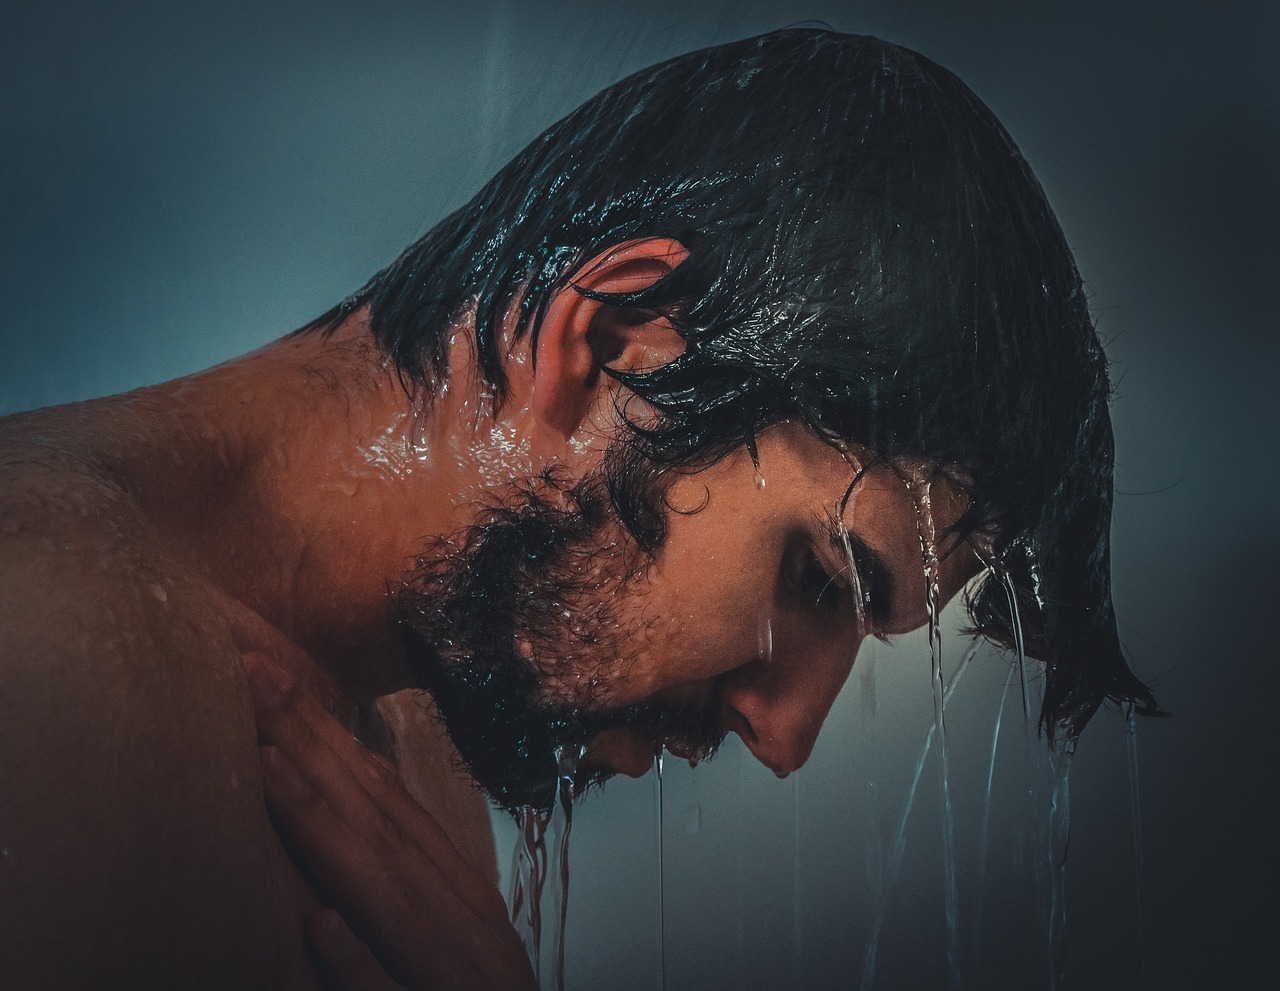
(579, 335)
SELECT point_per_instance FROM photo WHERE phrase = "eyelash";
(817, 585)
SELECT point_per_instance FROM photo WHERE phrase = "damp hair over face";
(870, 254)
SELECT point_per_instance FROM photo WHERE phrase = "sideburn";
(541, 568)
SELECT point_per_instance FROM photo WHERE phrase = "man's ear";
(578, 335)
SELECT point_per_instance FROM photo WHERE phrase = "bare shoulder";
(134, 846)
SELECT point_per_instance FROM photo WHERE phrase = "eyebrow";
(874, 576)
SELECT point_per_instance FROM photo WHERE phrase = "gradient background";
(182, 183)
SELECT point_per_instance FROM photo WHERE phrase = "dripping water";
(562, 824)
(859, 593)
(1016, 618)
(1131, 746)
(797, 928)
(662, 875)
(1059, 837)
(986, 810)
(929, 549)
(764, 638)
(529, 873)
(897, 846)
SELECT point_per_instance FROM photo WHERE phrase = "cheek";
(698, 619)
(704, 607)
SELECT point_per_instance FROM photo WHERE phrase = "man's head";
(868, 256)
(545, 628)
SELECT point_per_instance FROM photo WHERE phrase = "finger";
(364, 792)
(362, 881)
(415, 927)
(345, 962)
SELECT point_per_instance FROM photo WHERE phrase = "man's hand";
(429, 919)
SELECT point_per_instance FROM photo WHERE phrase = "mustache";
(692, 726)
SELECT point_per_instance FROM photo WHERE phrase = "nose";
(777, 704)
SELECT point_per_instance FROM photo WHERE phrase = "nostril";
(736, 722)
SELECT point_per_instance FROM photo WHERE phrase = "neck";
(305, 480)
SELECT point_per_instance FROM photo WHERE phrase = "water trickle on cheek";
(860, 594)
(764, 637)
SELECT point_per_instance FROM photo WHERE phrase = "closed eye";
(874, 580)
(817, 587)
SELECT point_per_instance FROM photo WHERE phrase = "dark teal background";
(180, 183)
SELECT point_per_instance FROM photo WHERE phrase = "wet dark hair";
(869, 253)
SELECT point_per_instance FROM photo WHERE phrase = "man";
(760, 352)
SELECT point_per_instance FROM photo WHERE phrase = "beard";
(513, 626)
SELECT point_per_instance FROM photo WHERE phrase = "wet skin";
(737, 552)
(125, 613)
(150, 540)
(743, 565)
(749, 606)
